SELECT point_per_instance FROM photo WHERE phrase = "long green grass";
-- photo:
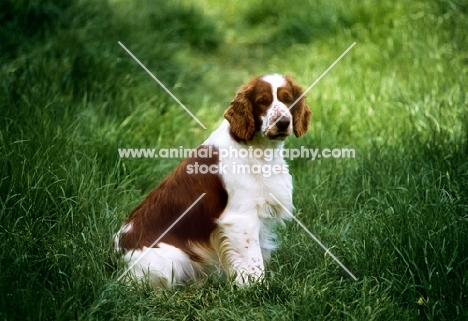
(396, 214)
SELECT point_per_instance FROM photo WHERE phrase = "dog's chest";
(263, 190)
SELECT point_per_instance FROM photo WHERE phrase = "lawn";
(396, 214)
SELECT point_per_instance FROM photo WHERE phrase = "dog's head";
(264, 105)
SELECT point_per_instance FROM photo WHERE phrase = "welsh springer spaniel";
(232, 227)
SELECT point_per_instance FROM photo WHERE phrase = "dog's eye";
(287, 99)
(263, 100)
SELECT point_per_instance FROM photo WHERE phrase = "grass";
(396, 215)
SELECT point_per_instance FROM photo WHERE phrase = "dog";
(232, 227)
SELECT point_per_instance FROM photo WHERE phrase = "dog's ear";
(300, 111)
(240, 113)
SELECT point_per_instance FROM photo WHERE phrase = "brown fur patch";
(301, 112)
(251, 102)
(170, 199)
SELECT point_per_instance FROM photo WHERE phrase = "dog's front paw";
(250, 276)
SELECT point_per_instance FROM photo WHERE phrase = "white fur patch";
(163, 266)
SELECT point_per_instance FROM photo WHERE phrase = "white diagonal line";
(315, 239)
(316, 81)
(162, 85)
(160, 237)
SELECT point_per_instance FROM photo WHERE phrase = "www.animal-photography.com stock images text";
(256, 160)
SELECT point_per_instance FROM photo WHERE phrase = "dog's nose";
(283, 124)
